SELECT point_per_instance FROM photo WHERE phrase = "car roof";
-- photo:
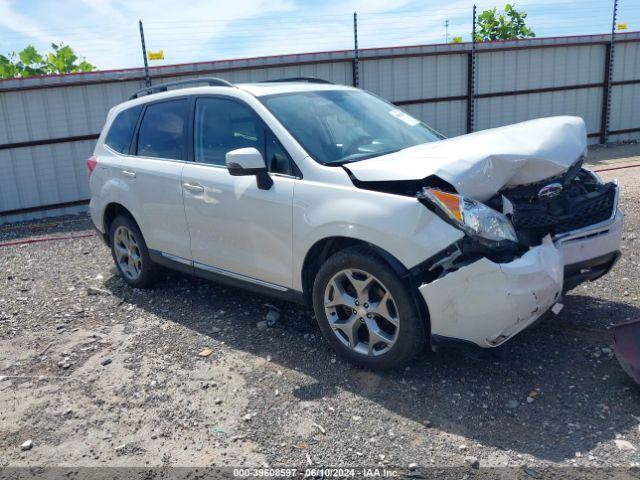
(256, 89)
(270, 88)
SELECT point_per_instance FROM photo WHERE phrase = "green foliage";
(29, 62)
(509, 25)
(455, 40)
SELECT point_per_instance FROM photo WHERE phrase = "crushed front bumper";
(487, 303)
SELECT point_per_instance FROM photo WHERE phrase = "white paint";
(592, 243)
(247, 158)
(487, 303)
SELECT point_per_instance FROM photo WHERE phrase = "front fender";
(399, 225)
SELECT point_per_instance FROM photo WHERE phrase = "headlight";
(473, 217)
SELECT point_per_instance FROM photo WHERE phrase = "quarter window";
(278, 160)
(163, 130)
(121, 131)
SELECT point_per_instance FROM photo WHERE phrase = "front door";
(236, 228)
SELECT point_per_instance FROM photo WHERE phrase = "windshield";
(342, 126)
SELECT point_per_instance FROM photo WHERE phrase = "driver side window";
(222, 125)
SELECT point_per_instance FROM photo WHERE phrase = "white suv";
(332, 197)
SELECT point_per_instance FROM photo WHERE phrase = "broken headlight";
(474, 218)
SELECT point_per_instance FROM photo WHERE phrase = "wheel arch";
(111, 212)
(326, 247)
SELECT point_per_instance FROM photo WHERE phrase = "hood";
(480, 164)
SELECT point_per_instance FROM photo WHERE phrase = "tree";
(455, 40)
(29, 62)
(502, 26)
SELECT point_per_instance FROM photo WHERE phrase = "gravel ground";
(113, 377)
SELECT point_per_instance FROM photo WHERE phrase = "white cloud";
(21, 24)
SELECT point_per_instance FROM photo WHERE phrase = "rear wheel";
(365, 311)
(130, 253)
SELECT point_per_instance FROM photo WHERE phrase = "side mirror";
(248, 161)
(245, 161)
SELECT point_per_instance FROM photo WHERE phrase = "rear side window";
(121, 131)
(163, 130)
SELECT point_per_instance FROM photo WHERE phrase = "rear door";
(236, 228)
(151, 176)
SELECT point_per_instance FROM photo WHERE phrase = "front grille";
(596, 211)
(593, 208)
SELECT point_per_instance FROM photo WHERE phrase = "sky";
(106, 32)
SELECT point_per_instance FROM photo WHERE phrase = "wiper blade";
(364, 157)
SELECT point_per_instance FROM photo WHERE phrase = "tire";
(399, 332)
(147, 273)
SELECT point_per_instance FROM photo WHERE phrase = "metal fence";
(48, 125)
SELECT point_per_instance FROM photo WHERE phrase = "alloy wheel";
(127, 252)
(361, 312)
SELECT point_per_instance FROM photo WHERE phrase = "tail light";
(91, 164)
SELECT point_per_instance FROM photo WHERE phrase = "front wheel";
(366, 312)
(130, 253)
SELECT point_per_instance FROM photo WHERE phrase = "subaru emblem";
(549, 191)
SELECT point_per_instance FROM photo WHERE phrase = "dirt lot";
(115, 377)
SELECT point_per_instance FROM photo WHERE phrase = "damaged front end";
(536, 223)
(487, 286)
(566, 230)
(557, 205)
(486, 302)
(577, 210)
(522, 248)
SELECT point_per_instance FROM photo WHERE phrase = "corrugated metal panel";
(627, 61)
(56, 212)
(625, 107)
(412, 78)
(59, 112)
(43, 175)
(498, 111)
(539, 68)
(448, 118)
(337, 72)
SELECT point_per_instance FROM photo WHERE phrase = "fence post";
(471, 78)
(356, 53)
(608, 79)
(147, 79)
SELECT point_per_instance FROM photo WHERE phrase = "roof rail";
(299, 79)
(163, 87)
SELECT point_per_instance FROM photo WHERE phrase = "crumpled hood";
(480, 164)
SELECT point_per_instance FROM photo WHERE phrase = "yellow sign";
(622, 26)
(156, 55)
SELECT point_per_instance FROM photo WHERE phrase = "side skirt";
(187, 266)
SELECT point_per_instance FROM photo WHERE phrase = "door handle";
(129, 174)
(193, 188)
